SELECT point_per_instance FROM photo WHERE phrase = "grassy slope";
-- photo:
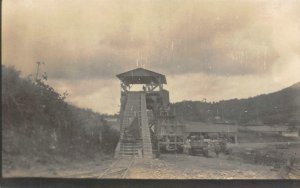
(39, 125)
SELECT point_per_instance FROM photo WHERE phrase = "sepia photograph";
(151, 89)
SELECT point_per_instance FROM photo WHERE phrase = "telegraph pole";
(37, 69)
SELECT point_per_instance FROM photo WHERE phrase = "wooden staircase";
(128, 145)
(146, 137)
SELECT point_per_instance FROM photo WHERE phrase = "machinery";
(206, 147)
(170, 133)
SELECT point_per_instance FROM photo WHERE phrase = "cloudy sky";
(207, 49)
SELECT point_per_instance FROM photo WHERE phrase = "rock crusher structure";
(147, 123)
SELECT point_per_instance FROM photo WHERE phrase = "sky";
(212, 49)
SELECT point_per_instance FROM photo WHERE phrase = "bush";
(41, 122)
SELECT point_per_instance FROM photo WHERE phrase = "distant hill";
(281, 107)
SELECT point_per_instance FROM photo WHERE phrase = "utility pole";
(37, 69)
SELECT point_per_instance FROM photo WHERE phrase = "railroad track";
(119, 169)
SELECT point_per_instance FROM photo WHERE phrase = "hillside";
(274, 108)
(39, 126)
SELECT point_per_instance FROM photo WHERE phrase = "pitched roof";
(209, 127)
(142, 76)
(266, 128)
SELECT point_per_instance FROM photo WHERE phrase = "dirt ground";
(250, 161)
(61, 168)
(168, 166)
(246, 162)
(181, 166)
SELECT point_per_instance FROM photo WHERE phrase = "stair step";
(128, 153)
(129, 147)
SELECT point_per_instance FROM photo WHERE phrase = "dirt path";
(196, 167)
